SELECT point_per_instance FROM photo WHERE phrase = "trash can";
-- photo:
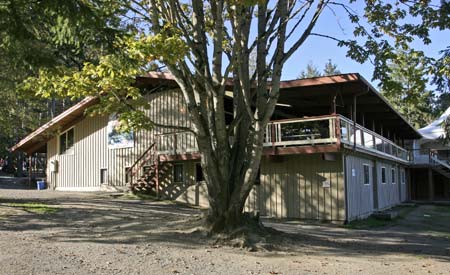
(40, 184)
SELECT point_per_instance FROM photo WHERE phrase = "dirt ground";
(95, 233)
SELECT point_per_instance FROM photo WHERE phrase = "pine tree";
(406, 88)
(310, 71)
(330, 69)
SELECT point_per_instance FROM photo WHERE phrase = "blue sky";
(318, 50)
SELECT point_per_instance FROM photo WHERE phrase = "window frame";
(393, 175)
(383, 178)
(364, 174)
(403, 176)
(175, 178)
(68, 150)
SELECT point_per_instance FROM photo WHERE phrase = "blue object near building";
(40, 184)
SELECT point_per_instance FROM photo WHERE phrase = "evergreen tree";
(310, 71)
(330, 69)
(406, 88)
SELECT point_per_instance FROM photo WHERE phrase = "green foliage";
(112, 78)
(330, 68)
(312, 71)
(406, 88)
(33, 207)
(43, 37)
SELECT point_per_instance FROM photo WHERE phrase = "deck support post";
(430, 184)
(354, 122)
(30, 155)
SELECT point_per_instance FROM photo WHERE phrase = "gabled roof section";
(35, 140)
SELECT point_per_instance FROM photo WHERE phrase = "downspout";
(344, 164)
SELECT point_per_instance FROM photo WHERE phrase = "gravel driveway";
(94, 233)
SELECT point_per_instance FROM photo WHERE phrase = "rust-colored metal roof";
(313, 96)
(35, 140)
(292, 93)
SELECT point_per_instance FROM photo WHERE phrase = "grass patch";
(139, 196)
(372, 222)
(38, 208)
(441, 209)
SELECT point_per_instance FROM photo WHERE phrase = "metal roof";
(309, 95)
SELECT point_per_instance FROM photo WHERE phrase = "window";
(178, 173)
(199, 173)
(127, 174)
(366, 174)
(393, 175)
(258, 177)
(383, 175)
(403, 176)
(66, 142)
(103, 175)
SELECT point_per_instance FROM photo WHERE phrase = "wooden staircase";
(441, 166)
(145, 174)
(148, 182)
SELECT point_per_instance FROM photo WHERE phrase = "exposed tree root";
(250, 234)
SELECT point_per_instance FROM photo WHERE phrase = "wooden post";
(157, 168)
(409, 186)
(157, 175)
(272, 137)
(430, 184)
(29, 169)
(354, 122)
(333, 105)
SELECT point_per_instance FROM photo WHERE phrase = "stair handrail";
(130, 169)
(437, 160)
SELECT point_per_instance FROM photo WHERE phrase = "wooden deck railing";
(364, 138)
(304, 131)
(320, 130)
(331, 129)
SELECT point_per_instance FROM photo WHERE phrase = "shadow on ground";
(117, 221)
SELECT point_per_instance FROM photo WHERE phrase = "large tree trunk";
(230, 167)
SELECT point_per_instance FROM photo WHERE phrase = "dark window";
(383, 174)
(258, 178)
(103, 175)
(403, 176)
(127, 174)
(393, 175)
(66, 141)
(199, 173)
(366, 174)
(178, 173)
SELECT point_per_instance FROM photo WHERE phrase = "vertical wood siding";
(359, 195)
(189, 191)
(91, 153)
(388, 193)
(293, 188)
(403, 186)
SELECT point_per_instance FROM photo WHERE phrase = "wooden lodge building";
(334, 150)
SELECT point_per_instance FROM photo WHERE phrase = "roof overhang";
(309, 95)
(35, 141)
(314, 96)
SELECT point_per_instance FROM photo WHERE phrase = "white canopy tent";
(434, 130)
(432, 135)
